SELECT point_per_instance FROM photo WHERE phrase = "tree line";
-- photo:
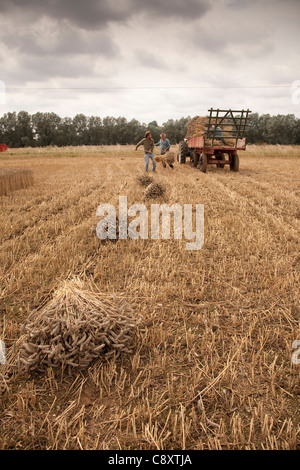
(44, 129)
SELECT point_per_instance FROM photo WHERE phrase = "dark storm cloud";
(64, 41)
(188, 9)
(86, 14)
(92, 14)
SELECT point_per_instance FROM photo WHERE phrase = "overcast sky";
(149, 59)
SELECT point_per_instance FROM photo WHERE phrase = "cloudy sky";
(149, 59)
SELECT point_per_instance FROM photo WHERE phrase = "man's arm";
(140, 143)
(167, 147)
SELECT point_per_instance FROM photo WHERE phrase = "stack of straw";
(145, 179)
(155, 190)
(12, 179)
(76, 327)
(197, 126)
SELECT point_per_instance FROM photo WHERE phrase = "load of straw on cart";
(198, 126)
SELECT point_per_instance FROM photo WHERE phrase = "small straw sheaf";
(76, 327)
(154, 190)
(145, 180)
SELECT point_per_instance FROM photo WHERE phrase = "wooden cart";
(217, 146)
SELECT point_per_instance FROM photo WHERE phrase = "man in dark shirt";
(148, 144)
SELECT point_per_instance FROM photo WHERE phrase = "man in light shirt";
(164, 145)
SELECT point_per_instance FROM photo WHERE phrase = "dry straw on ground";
(12, 179)
(76, 327)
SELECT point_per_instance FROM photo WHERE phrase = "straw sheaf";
(169, 158)
(155, 190)
(76, 327)
(12, 179)
(145, 180)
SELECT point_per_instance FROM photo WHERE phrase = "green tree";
(95, 130)
(155, 130)
(80, 124)
(24, 133)
(45, 128)
(65, 132)
(175, 130)
(8, 129)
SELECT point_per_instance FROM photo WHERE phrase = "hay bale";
(76, 327)
(12, 179)
(145, 180)
(155, 190)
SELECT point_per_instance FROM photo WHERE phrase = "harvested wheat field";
(210, 331)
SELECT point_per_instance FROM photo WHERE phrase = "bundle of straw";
(145, 179)
(12, 179)
(76, 327)
(169, 158)
(155, 190)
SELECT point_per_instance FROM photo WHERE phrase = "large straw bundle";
(76, 327)
(12, 179)
(168, 158)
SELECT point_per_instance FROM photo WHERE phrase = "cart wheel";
(221, 157)
(182, 153)
(203, 162)
(194, 159)
(235, 163)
